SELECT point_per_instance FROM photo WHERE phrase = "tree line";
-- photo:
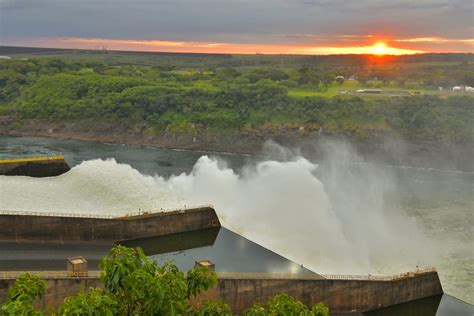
(224, 98)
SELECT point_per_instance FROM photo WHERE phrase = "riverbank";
(389, 150)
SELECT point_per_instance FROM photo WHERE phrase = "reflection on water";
(175, 242)
(229, 251)
(439, 305)
(35, 256)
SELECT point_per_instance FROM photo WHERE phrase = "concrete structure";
(242, 290)
(206, 264)
(34, 167)
(104, 230)
(77, 267)
(341, 294)
(57, 288)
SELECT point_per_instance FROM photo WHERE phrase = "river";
(350, 215)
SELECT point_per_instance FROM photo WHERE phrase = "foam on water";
(93, 187)
(348, 216)
(279, 204)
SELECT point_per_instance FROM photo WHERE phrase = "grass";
(333, 90)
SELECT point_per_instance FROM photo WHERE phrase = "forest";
(265, 94)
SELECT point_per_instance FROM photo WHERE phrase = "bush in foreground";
(135, 285)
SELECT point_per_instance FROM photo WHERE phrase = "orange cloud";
(434, 40)
(214, 47)
(376, 49)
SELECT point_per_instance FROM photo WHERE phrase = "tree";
(142, 287)
(94, 302)
(21, 296)
(283, 304)
(211, 308)
(136, 286)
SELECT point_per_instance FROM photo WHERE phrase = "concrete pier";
(34, 167)
(44, 228)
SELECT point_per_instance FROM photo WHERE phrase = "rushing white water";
(93, 187)
(345, 217)
(279, 204)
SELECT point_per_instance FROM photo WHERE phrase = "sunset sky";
(242, 26)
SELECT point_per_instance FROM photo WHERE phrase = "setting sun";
(380, 48)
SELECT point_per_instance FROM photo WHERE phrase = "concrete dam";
(248, 273)
(202, 230)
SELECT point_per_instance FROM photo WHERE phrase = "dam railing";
(101, 216)
(6, 275)
(57, 214)
(348, 277)
(369, 277)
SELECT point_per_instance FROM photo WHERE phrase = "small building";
(373, 91)
(77, 267)
(206, 264)
(370, 91)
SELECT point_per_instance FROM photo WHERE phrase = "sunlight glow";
(380, 48)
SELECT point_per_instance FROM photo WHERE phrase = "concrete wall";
(34, 167)
(241, 291)
(73, 229)
(56, 290)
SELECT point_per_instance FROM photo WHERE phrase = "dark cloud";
(263, 21)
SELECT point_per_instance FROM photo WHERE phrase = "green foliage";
(145, 288)
(320, 309)
(211, 308)
(21, 295)
(27, 286)
(19, 308)
(119, 264)
(233, 97)
(199, 279)
(94, 303)
(283, 304)
(136, 286)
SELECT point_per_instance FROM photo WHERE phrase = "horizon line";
(105, 49)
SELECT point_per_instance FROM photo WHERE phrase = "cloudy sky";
(245, 26)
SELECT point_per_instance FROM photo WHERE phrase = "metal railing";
(95, 274)
(100, 216)
(377, 277)
(56, 214)
(5, 275)
(31, 159)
